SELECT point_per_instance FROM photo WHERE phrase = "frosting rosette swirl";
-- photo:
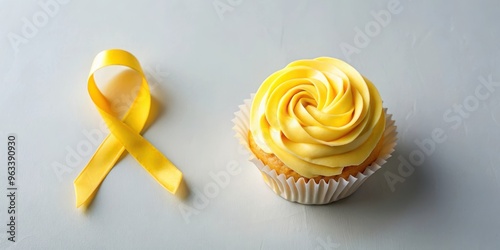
(317, 116)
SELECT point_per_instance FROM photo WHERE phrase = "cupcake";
(316, 130)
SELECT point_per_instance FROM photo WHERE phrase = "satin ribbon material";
(125, 134)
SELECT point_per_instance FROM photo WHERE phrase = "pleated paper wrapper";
(310, 192)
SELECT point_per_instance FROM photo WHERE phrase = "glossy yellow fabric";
(317, 116)
(125, 134)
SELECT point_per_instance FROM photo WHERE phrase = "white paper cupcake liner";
(311, 192)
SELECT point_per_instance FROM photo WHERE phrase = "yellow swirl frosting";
(317, 116)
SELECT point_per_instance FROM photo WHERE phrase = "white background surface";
(426, 60)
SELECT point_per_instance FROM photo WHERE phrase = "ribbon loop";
(125, 134)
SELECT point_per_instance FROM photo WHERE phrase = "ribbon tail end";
(175, 181)
(83, 200)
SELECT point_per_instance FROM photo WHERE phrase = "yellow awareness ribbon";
(125, 134)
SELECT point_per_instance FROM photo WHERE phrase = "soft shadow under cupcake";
(374, 206)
